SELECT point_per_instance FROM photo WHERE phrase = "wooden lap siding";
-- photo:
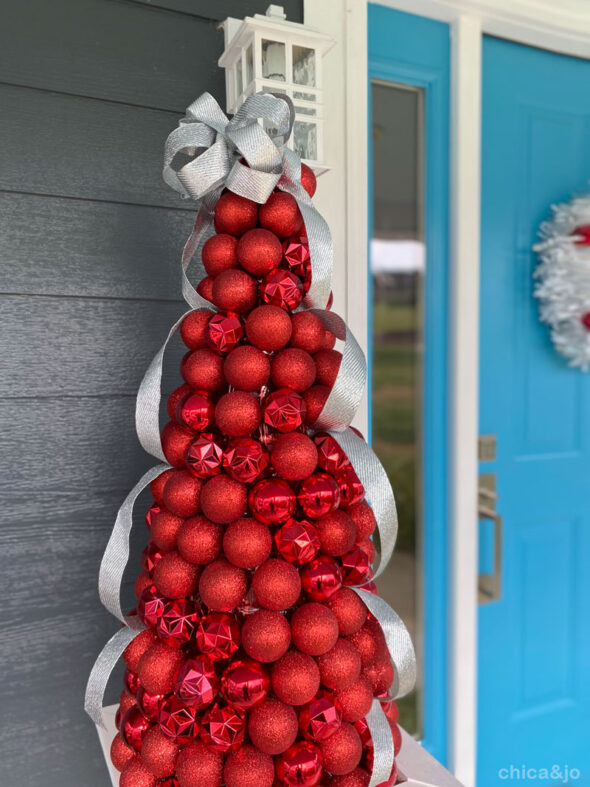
(89, 253)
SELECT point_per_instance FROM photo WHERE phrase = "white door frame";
(342, 198)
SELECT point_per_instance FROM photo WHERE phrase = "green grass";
(388, 317)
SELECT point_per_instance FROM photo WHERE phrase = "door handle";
(489, 586)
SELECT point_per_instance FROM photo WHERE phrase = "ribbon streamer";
(383, 750)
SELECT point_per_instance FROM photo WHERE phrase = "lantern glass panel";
(239, 79)
(273, 60)
(305, 140)
(304, 96)
(303, 65)
(300, 110)
(249, 65)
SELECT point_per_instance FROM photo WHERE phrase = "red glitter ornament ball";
(142, 582)
(284, 410)
(133, 728)
(126, 701)
(205, 288)
(174, 398)
(249, 767)
(321, 578)
(219, 254)
(268, 328)
(247, 368)
(195, 410)
(222, 586)
(223, 499)
(349, 609)
(135, 774)
(121, 753)
(280, 214)
(314, 628)
(158, 484)
(218, 635)
(196, 682)
(282, 288)
(177, 623)
(259, 251)
(342, 751)
(150, 606)
(237, 414)
(235, 291)
(174, 577)
(235, 215)
(245, 683)
(340, 666)
(364, 519)
(319, 495)
(177, 721)
(199, 540)
(293, 368)
(204, 456)
(357, 778)
(308, 332)
(149, 704)
(273, 726)
(137, 647)
(175, 442)
(320, 717)
(297, 541)
(295, 678)
(369, 642)
(380, 675)
(272, 501)
(329, 338)
(337, 533)
(193, 328)
(300, 765)
(182, 494)
(245, 459)
(294, 456)
(225, 331)
(296, 256)
(198, 766)
(327, 366)
(223, 728)
(157, 668)
(247, 543)
(315, 399)
(159, 753)
(276, 584)
(308, 179)
(356, 699)
(164, 530)
(266, 635)
(203, 370)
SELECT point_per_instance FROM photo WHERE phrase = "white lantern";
(266, 53)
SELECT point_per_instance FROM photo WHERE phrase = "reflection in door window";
(397, 260)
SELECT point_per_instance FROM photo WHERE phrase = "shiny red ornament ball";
(196, 411)
(331, 457)
(268, 328)
(294, 456)
(272, 726)
(157, 668)
(126, 701)
(237, 414)
(235, 291)
(342, 751)
(357, 778)
(204, 457)
(137, 647)
(351, 489)
(282, 288)
(150, 606)
(259, 251)
(222, 586)
(203, 369)
(314, 628)
(175, 577)
(178, 622)
(223, 499)
(158, 484)
(308, 332)
(225, 331)
(276, 584)
(337, 533)
(300, 765)
(150, 704)
(308, 179)
(219, 254)
(293, 368)
(319, 495)
(177, 721)
(121, 753)
(164, 531)
(135, 774)
(364, 520)
(321, 578)
(349, 609)
(182, 494)
(205, 288)
(159, 753)
(284, 410)
(280, 214)
(272, 501)
(198, 766)
(245, 683)
(296, 257)
(174, 398)
(298, 541)
(249, 767)
(295, 678)
(196, 683)
(175, 441)
(133, 728)
(356, 567)
(327, 364)
(218, 635)
(245, 459)
(340, 666)
(247, 368)
(193, 328)
(315, 398)
(223, 728)
(131, 681)
(356, 699)
(266, 635)
(247, 543)
(199, 540)
(320, 717)
(155, 509)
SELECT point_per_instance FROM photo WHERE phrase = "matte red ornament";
(121, 753)
(182, 494)
(276, 584)
(196, 682)
(149, 557)
(193, 328)
(298, 541)
(356, 699)
(584, 233)
(158, 484)
(175, 441)
(331, 457)
(150, 606)
(280, 214)
(164, 530)
(308, 331)
(218, 635)
(204, 456)
(295, 678)
(199, 540)
(152, 511)
(174, 399)
(219, 254)
(319, 495)
(247, 543)
(159, 753)
(223, 499)
(296, 256)
(245, 683)
(205, 288)
(364, 520)
(134, 726)
(308, 179)
(320, 717)
(329, 338)
(203, 370)
(259, 251)
(198, 766)
(368, 548)
(272, 726)
(356, 568)
(282, 288)
(337, 533)
(351, 489)
(342, 751)
(225, 332)
(135, 774)
(150, 704)
(245, 459)
(321, 578)
(272, 501)
(293, 368)
(175, 577)
(157, 668)
(340, 666)
(126, 701)
(137, 647)
(268, 328)
(357, 778)
(350, 610)
(178, 622)
(301, 764)
(314, 628)
(249, 767)
(327, 366)
(142, 582)
(247, 368)
(380, 675)
(315, 398)
(235, 215)
(222, 586)
(266, 635)
(237, 414)
(178, 721)
(234, 291)
(284, 410)
(369, 642)
(223, 728)
(131, 681)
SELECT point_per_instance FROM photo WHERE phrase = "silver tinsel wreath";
(563, 280)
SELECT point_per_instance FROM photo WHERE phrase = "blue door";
(534, 642)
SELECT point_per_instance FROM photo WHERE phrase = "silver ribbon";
(383, 751)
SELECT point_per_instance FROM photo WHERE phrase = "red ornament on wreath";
(197, 683)
(245, 459)
(296, 255)
(177, 623)
(272, 501)
(178, 721)
(245, 683)
(134, 727)
(320, 717)
(282, 288)
(280, 214)
(297, 541)
(223, 728)
(321, 578)
(204, 456)
(218, 635)
(300, 765)
(319, 495)
(224, 332)
(284, 410)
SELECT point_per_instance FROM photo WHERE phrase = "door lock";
(490, 585)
